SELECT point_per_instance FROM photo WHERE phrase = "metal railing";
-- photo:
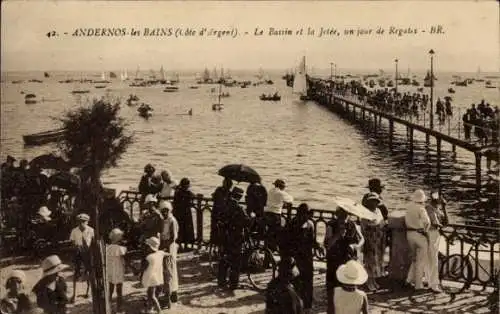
(481, 245)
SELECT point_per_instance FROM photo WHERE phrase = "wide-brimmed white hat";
(352, 273)
(52, 265)
(165, 205)
(44, 211)
(150, 199)
(153, 243)
(83, 217)
(115, 233)
(17, 273)
(419, 196)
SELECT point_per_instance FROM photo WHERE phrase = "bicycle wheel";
(261, 267)
(458, 270)
(214, 255)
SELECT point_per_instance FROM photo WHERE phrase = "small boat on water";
(45, 74)
(100, 86)
(30, 99)
(133, 100)
(171, 89)
(489, 85)
(44, 137)
(451, 90)
(35, 81)
(300, 80)
(79, 91)
(145, 111)
(415, 83)
(193, 87)
(218, 106)
(274, 97)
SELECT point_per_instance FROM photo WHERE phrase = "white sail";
(103, 76)
(163, 77)
(300, 82)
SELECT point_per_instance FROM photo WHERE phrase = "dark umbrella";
(239, 173)
(49, 161)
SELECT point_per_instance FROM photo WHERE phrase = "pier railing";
(480, 245)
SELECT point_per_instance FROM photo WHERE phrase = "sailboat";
(112, 75)
(478, 75)
(206, 77)
(45, 74)
(80, 90)
(300, 80)
(218, 106)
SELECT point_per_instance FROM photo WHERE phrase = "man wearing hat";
(168, 239)
(276, 198)
(146, 185)
(81, 238)
(51, 291)
(152, 220)
(15, 301)
(236, 221)
(417, 224)
(376, 186)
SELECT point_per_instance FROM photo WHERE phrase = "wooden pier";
(354, 109)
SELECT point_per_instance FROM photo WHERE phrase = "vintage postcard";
(249, 157)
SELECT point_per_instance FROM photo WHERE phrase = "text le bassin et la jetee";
(232, 32)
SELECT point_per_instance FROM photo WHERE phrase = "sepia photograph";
(277, 157)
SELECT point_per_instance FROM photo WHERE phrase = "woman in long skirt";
(183, 199)
(374, 246)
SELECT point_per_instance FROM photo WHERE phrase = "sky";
(470, 39)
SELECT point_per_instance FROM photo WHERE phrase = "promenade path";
(199, 294)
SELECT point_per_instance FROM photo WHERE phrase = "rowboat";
(44, 137)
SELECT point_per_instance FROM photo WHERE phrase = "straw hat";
(165, 205)
(52, 265)
(83, 217)
(44, 211)
(150, 199)
(352, 273)
(19, 274)
(419, 196)
(115, 234)
(153, 243)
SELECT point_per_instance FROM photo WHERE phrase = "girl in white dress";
(348, 299)
(152, 277)
(115, 266)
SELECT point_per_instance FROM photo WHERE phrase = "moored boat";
(30, 99)
(171, 89)
(300, 80)
(274, 97)
(44, 137)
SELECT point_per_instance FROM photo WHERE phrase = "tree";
(95, 140)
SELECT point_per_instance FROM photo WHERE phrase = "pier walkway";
(353, 107)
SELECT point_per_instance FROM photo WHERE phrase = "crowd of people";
(481, 120)
(354, 247)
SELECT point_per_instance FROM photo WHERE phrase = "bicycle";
(258, 261)
(459, 269)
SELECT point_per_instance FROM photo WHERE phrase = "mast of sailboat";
(220, 91)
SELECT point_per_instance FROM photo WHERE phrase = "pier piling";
(391, 131)
(438, 146)
(478, 156)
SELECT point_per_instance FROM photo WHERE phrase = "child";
(15, 301)
(347, 299)
(152, 277)
(115, 264)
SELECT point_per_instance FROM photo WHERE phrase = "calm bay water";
(317, 153)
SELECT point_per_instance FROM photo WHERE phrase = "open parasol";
(239, 173)
(355, 208)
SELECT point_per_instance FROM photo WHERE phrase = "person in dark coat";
(183, 200)
(146, 185)
(302, 242)
(221, 198)
(15, 301)
(152, 221)
(281, 296)
(256, 200)
(236, 221)
(341, 234)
